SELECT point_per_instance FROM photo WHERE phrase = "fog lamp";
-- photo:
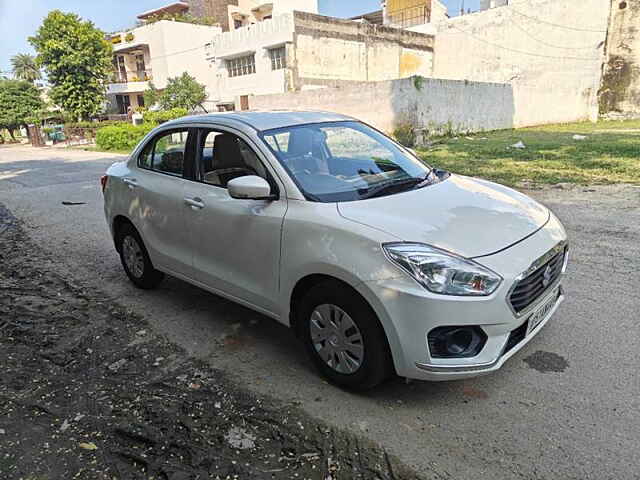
(456, 342)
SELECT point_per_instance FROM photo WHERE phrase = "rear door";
(235, 243)
(160, 182)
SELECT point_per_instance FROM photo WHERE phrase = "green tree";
(77, 60)
(25, 68)
(151, 95)
(20, 103)
(181, 92)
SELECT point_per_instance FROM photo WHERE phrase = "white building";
(154, 53)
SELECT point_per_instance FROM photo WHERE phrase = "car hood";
(467, 216)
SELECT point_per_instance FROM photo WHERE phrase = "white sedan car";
(380, 263)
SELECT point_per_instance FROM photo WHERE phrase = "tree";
(25, 67)
(78, 62)
(151, 95)
(20, 103)
(181, 92)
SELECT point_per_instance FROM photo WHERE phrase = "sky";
(21, 18)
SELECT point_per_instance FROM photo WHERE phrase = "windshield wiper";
(391, 187)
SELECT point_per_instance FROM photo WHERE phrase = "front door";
(123, 102)
(235, 243)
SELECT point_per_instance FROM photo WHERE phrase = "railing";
(131, 76)
(410, 17)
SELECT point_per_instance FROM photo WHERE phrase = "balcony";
(129, 81)
(409, 17)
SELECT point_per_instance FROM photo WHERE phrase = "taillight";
(103, 182)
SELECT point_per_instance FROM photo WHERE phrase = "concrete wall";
(550, 51)
(329, 49)
(432, 104)
(620, 91)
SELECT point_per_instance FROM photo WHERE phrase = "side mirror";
(250, 187)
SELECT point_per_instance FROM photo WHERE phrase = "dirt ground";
(87, 391)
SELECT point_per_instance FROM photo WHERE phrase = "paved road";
(565, 407)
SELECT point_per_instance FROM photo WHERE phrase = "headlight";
(443, 272)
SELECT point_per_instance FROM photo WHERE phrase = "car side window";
(169, 152)
(145, 160)
(225, 156)
(166, 153)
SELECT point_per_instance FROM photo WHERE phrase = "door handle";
(131, 182)
(194, 203)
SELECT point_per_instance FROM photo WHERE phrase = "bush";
(122, 137)
(164, 115)
(405, 134)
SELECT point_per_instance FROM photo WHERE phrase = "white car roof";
(266, 120)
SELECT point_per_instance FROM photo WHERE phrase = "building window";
(278, 58)
(241, 65)
(140, 68)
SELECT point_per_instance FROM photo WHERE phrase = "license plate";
(542, 312)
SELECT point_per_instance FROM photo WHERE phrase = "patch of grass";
(609, 154)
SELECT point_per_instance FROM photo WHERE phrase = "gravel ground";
(564, 408)
(87, 391)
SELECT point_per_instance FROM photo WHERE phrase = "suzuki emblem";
(546, 276)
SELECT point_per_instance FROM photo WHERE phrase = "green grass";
(609, 154)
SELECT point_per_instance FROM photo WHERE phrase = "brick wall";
(216, 9)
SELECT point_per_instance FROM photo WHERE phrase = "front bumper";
(409, 312)
(459, 371)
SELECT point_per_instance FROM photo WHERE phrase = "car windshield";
(345, 161)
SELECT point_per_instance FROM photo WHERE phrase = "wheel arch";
(360, 289)
(118, 222)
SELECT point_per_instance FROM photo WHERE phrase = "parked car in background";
(380, 263)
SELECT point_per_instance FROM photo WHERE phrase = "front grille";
(530, 288)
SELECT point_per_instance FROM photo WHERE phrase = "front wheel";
(135, 259)
(343, 337)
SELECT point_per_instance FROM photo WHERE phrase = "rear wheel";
(135, 259)
(343, 337)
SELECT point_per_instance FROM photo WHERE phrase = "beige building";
(298, 51)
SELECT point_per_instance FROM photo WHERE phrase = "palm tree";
(25, 68)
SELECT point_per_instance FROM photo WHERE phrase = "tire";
(332, 305)
(135, 259)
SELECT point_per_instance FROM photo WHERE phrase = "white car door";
(235, 243)
(159, 183)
